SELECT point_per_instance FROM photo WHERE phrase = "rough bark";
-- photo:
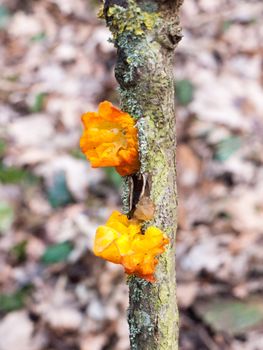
(145, 33)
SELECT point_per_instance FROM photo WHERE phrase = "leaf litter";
(54, 294)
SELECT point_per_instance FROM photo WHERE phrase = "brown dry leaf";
(254, 342)
(209, 254)
(188, 166)
(35, 248)
(187, 293)
(96, 311)
(41, 131)
(93, 342)
(23, 25)
(16, 332)
(245, 207)
(242, 242)
(216, 105)
(66, 319)
(123, 334)
(58, 308)
(182, 215)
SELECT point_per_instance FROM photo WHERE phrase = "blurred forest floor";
(56, 63)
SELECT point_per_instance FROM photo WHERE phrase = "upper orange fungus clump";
(121, 242)
(110, 139)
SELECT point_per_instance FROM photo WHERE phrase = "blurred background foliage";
(56, 63)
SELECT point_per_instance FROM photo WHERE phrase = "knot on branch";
(170, 34)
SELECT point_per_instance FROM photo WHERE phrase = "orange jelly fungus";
(121, 242)
(110, 138)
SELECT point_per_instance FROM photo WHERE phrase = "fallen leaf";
(58, 193)
(230, 315)
(227, 147)
(184, 91)
(14, 301)
(186, 293)
(41, 131)
(65, 319)
(16, 332)
(57, 253)
(6, 216)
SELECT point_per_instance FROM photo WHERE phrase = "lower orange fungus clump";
(110, 139)
(122, 242)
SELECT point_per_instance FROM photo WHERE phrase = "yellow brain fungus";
(122, 242)
(110, 138)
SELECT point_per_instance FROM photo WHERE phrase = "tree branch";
(145, 33)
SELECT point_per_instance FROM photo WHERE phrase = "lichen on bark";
(145, 33)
